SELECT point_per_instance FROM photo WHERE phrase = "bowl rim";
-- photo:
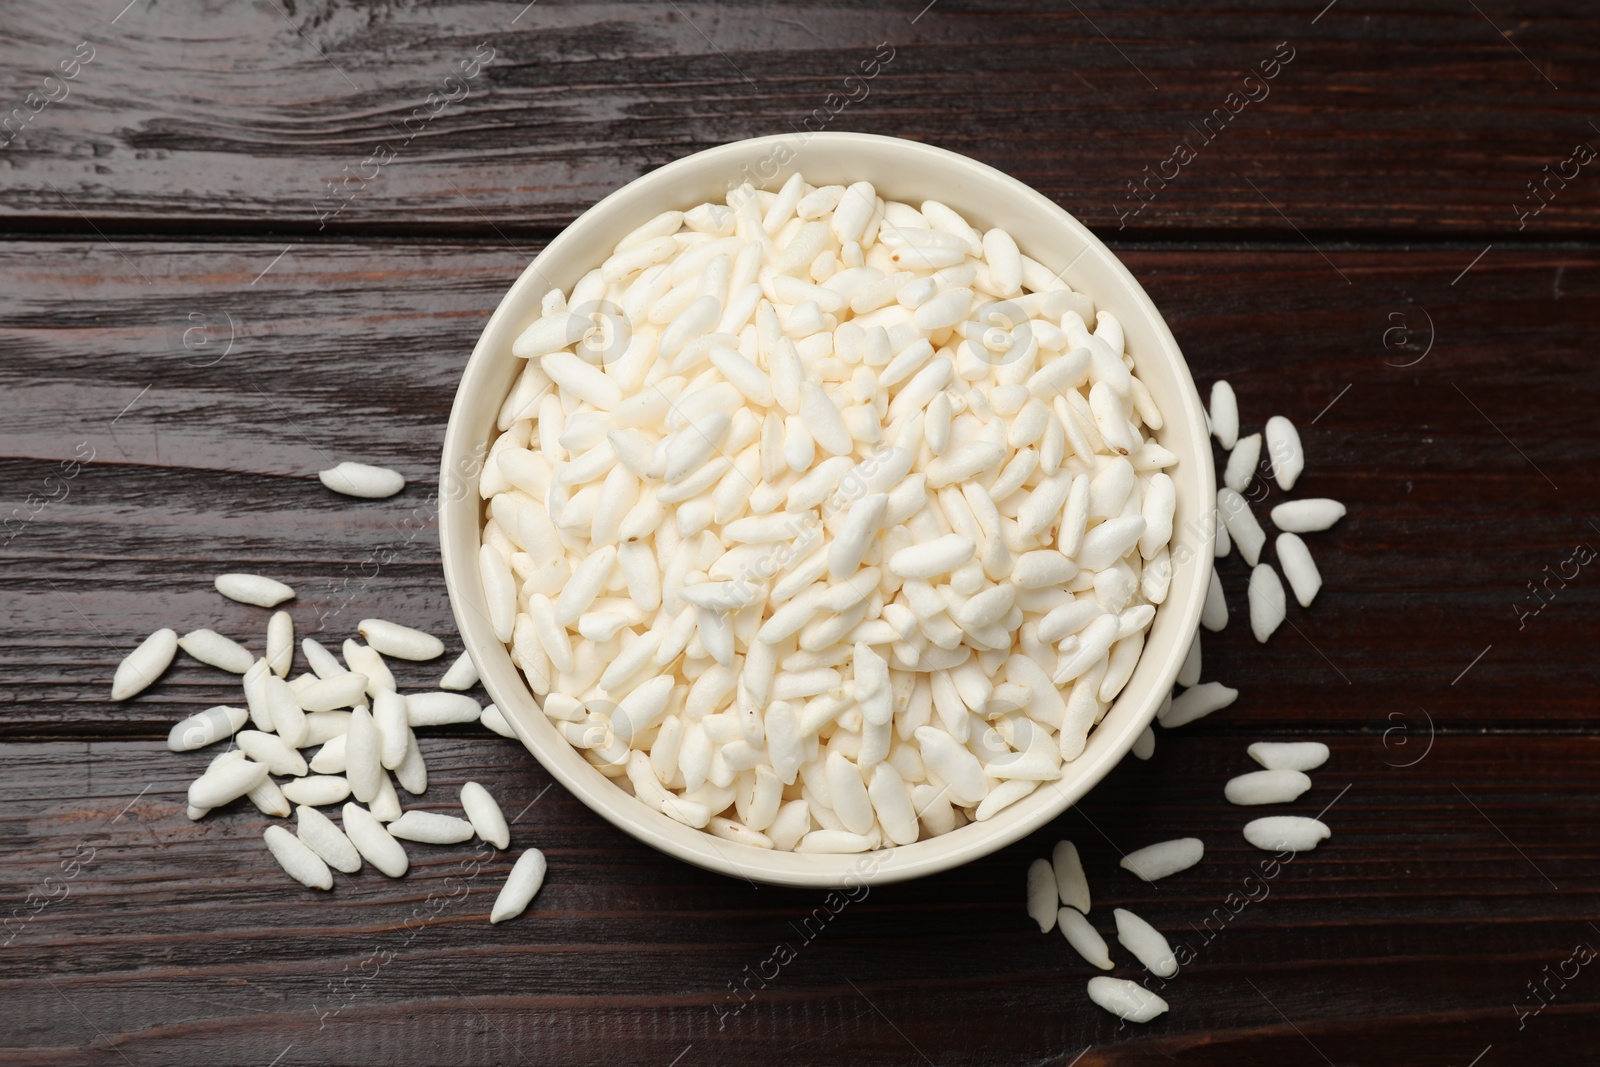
(460, 528)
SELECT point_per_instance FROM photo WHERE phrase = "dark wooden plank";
(351, 351)
(187, 116)
(1445, 889)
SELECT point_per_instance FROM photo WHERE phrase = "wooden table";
(194, 319)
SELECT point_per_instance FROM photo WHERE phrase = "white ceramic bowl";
(901, 170)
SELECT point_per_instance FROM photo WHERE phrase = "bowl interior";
(900, 170)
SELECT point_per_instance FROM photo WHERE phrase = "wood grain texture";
(1418, 924)
(187, 116)
(192, 323)
(187, 946)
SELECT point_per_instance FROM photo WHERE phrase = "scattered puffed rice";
(1189, 673)
(1294, 833)
(1125, 999)
(1157, 861)
(327, 694)
(1224, 414)
(1289, 755)
(362, 480)
(1284, 452)
(385, 807)
(255, 695)
(1042, 899)
(1298, 566)
(431, 827)
(485, 815)
(1266, 787)
(206, 727)
(412, 773)
(330, 758)
(462, 675)
(1071, 883)
(324, 663)
(441, 709)
(1242, 462)
(1084, 938)
(324, 837)
(254, 589)
(526, 876)
(376, 845)
(1197, 703)
(140, 668)
(283, 704)
(280, 644)
(323, 726)
(1146, 943)
(318, 790)
(1307, 516)
(1242, 526)
(364, 660)
(296, 858)
(494, 719)
(274, 752)
(394, 728)
(402, 642)
(269, 799)
(1214, 613)
(1267, 602)
(1144, 746)
(363, 765)
(211, 648)
(225, 780)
